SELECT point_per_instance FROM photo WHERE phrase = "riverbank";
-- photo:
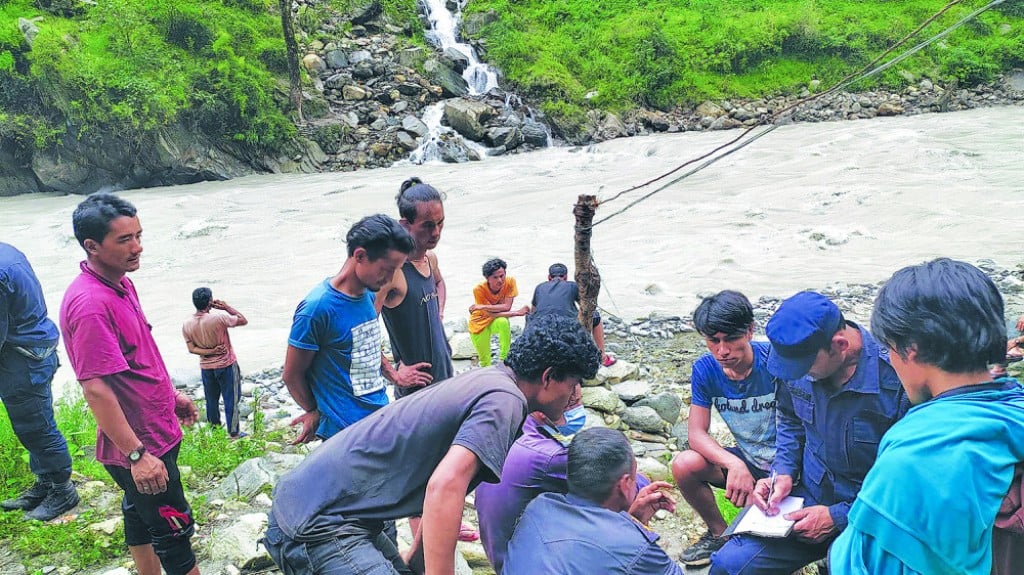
(806, 206)
(121, 95)
(646, 395)
(577, 57)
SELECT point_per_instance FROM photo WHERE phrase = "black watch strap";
(135, 455)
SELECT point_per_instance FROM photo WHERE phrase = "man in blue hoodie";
(929, 502)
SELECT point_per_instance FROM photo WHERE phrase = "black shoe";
(28, 500)
(700, 552)
(61, 498)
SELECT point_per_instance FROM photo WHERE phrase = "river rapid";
(805, 206)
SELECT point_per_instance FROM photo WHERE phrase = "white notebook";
(752, 520)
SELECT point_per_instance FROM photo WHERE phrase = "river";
(807, 205)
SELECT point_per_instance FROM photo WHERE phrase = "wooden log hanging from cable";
(587, 277)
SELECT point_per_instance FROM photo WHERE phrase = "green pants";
(482, 340)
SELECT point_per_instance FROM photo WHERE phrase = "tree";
(292, 46)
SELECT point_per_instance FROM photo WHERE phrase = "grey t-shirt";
(378, 468)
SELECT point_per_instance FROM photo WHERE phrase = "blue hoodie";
(929, 502)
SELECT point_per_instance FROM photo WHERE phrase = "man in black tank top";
(413, 302)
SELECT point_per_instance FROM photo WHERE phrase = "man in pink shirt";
(125, 382)
(206, 335)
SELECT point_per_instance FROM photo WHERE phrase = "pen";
(771, 490)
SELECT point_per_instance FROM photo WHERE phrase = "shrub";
(187, 32)
(968, 66)
(272, 53)
(65, 8)
(251, 6)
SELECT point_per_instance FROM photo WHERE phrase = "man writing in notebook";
(599, 526)
(836, 397)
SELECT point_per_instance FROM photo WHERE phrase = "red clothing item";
(107, 336)
(1008, 536)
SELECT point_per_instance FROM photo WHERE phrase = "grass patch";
(728, 510)
(206, 450)
(665, 53)
(74, 544)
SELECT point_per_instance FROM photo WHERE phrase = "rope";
(739, 147)
(618, 315)
(864, 73)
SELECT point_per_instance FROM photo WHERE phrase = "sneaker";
(700, 552)
(62, 498)
(238, 436)
(28, 500)
(467, 533)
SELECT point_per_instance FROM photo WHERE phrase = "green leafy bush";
(967, 66)
(134, 66)
(188, 32)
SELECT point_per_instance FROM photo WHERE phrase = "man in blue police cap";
(837, 395)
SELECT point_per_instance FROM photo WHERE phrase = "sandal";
(468, 534)
(608, 361)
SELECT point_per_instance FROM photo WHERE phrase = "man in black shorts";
(733, 378)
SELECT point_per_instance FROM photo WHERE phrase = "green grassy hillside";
(621, 54)
(134, 65)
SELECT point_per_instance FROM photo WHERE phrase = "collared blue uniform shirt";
(23, 319)
(827, 439)
(568, 535)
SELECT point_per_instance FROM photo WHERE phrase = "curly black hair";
(492, 265)
(557, 342)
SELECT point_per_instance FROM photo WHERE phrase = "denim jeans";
(751, 555)
(25, 392)
(225, 382)
(358, 548)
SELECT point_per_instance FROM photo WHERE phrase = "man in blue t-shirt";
(332, 367)
(733, 377)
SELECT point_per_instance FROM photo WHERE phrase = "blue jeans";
(25, 392)
(751, 555)
(225, 382)
(358, 548)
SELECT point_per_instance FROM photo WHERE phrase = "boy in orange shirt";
(489, 315)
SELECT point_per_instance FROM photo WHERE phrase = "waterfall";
(481, 78)
(443, 33)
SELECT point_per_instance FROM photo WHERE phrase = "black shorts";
(163, 520)
(754, 470)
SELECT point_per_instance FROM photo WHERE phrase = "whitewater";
(805, 206)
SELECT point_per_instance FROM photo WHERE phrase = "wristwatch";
(136, 454)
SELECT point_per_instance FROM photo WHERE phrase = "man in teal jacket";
(929, 503)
